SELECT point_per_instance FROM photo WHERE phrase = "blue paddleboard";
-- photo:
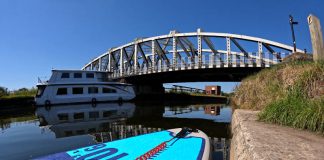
(194, 145)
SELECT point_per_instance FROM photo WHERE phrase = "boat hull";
(50, 95)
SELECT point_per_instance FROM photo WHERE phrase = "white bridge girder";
(194, 50)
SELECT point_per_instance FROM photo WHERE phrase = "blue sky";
(38, 35)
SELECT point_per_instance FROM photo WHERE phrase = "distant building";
(216, 90)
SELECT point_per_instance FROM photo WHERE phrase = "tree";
(23, 90)
(3, 91)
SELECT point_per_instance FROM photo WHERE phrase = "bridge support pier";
(141, 88)
(149, 89)
(146, 88)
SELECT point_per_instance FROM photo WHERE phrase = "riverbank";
(256, 140)
(17, 99)
(291, 93)
(16, 107)
(14, 103)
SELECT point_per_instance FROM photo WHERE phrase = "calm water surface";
(61, 128)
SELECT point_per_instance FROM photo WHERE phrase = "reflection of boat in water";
(76, 86)
(83, 119)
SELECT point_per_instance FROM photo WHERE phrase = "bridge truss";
(185, 51)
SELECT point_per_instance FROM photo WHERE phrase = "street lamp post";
(292, 23)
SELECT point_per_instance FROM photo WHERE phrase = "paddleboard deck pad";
(158, 145)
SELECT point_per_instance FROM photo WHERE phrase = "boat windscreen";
(40, 90)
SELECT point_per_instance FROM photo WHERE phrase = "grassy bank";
(22, 92)
(16, 102)
(17, 98)
(288, 94)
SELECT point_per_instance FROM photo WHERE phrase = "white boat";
(78, 86)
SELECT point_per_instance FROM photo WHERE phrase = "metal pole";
(291, 22)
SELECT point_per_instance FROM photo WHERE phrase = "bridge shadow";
(194, 75)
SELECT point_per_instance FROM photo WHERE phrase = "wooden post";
(317, 37)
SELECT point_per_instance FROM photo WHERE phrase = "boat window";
(92, 90)
(77, 75)
(93, 114)
(77, 90)
(40, 91)
(108, 90)
(63, 117)
(78, 116)
(65, 75)
(61, 91)
(68, 133)
(90, 75)
(109, 113)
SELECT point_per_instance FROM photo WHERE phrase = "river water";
(60, 128)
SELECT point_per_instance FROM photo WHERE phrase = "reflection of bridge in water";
(188, 57)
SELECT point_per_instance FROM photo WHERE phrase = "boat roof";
(76, 70)
(83, 83)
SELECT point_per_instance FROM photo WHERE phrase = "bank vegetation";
(20, 98)
(19, 93)
(291, 93)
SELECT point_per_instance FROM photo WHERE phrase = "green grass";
(297, 108)
(287, 94)
(25, 93)
(297, 112)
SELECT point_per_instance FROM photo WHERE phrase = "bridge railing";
(188, 63)
(192, 50)
(181, 89)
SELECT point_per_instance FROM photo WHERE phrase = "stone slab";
(254, 140)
